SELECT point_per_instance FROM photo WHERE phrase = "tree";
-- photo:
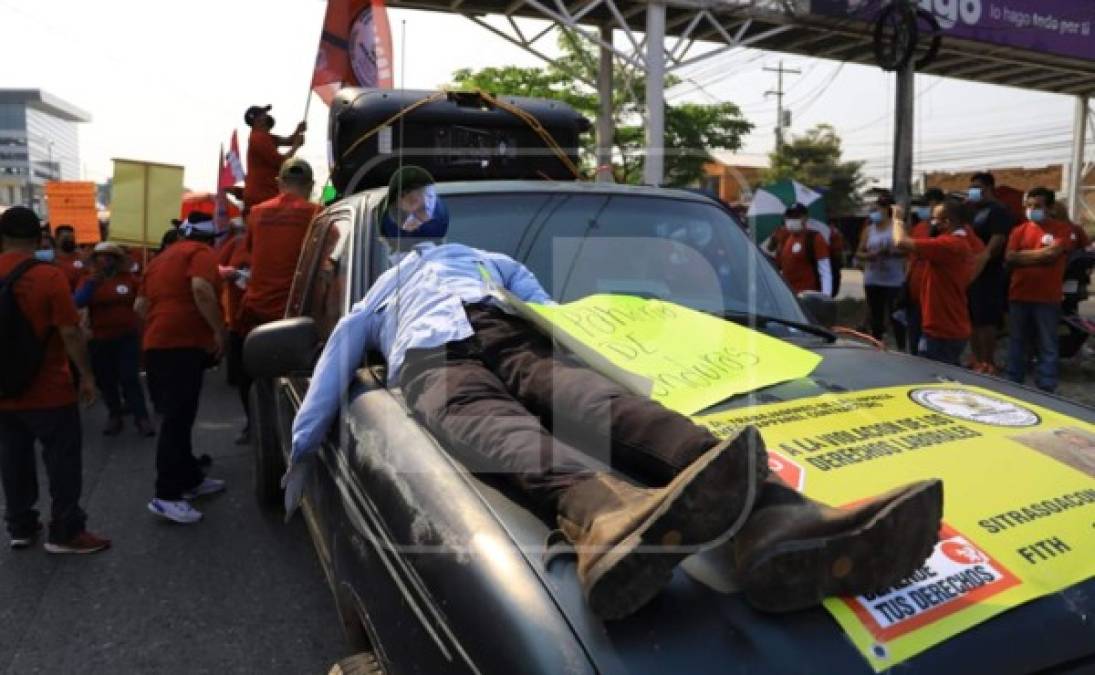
(690, 129)
(814, 159)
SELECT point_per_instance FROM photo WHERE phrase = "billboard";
(1057, 27)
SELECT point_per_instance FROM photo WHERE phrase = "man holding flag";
(263, 158)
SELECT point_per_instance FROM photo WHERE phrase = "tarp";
(145, 198)
(1019, 499)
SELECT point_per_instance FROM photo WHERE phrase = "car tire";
(268, 462)
(364, 663)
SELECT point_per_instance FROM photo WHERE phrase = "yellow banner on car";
(684, 359)
(1019, 499)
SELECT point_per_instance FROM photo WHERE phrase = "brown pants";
(503, 400)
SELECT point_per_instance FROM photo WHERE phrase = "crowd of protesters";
(80, 322)
(951, 273)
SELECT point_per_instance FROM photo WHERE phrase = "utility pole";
(778, 93)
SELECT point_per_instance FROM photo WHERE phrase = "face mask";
(46, 255)
(110, 268)
(67, 245)
(974, 194)
(269, 121)
(793, 224)
(1036, 215)
(875, 217)
(922, 212)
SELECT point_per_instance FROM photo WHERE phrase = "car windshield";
(681, 250)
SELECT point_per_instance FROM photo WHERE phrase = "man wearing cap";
(108, 293)
(486, 383)
(183, 334)
(263, 158)
(42, 407)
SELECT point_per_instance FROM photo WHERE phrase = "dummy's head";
(412, 212)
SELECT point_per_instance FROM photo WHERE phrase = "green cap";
(296, 169)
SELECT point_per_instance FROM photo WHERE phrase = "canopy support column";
(606, 128)
(654, 164)
(904, 115)
(1076, 175)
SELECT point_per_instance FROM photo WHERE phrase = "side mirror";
(281, 348)
(820, 307)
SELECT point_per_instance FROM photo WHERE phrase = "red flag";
(355, 48)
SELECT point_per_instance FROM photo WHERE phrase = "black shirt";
(992, 218)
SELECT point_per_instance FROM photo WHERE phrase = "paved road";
(238, 593)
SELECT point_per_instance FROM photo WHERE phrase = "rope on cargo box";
(522, 115)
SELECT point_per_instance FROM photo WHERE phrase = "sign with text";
(684, 359)
(73, 203)
(145, 197)
(1019, 485)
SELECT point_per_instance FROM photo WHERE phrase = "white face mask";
(793, 224)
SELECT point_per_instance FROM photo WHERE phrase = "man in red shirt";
(950, 265)
(803, 255)
(108, 293)
(1036, 257)
(263, 158)
(68, 256)
(45, 409)
(184, 334)
(917, 267)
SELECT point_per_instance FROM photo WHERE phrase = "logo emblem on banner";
(975, 407)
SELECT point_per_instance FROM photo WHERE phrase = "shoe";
(113, 426)
(629, 539)
(793, 551)
(85, 542)
(179, 511)
(27, 540)
(208, 486)
(244, 437)
(145, 428)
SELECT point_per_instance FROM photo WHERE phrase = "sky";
(169, 81)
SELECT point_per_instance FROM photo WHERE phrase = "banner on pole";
(73, 203)
(146, 197)
(355, 48)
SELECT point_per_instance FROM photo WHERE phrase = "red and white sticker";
(790, 471)
(957, 575)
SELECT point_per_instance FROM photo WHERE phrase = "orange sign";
(73, 203)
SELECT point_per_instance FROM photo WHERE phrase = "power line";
(781, 120)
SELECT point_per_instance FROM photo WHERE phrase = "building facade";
(39, 142)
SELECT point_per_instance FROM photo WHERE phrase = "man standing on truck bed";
(263, 158)
(483, 382)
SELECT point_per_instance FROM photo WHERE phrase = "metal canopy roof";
(741, 23)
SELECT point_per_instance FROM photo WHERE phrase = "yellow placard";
(145, 197)
(1019, 504)
(73, 203)
(684, 359)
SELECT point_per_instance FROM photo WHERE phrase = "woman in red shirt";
(108, 294)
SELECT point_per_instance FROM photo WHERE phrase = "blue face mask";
(1036, 215)
(922, 212)
(46, 255)
(875, 217)
(974, 194)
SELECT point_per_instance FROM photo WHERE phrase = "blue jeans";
(116, 364)
(942, 349)
(1033, 322)
(912, 325)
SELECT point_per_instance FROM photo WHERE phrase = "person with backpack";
(39, 334)
(803, 254)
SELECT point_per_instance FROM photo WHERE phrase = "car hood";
(691, 627)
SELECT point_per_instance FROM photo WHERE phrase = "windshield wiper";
(761, 320)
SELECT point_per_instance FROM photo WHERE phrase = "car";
(436, 570)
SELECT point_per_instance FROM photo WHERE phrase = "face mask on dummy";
(974, 194)
(793, 224)
(1036, 215)
(46, 255)
(875, 217)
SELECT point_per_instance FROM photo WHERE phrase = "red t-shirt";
(233, 254)
(263, 163)
(1039, 283)
(943, 304)
(73, 265)
(111, 306)
(794, 261)
(275, 235)
(173, 320)
(45, 299)
(918, 267)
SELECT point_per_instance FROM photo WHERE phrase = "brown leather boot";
(794, 551)
(629, 539)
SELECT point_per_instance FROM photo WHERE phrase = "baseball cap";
(296, 169)
(254, 111)
(108, 248)
(20, 222)
(796, 209)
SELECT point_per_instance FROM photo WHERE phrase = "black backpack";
(21, 350)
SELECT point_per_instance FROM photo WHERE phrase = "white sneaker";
(208, 486)
(177, 511)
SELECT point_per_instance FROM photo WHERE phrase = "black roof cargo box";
(455, 135)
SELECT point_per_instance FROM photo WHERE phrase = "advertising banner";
(1060, 27)
(146, 197)
(1019, 486)
(73, 203)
